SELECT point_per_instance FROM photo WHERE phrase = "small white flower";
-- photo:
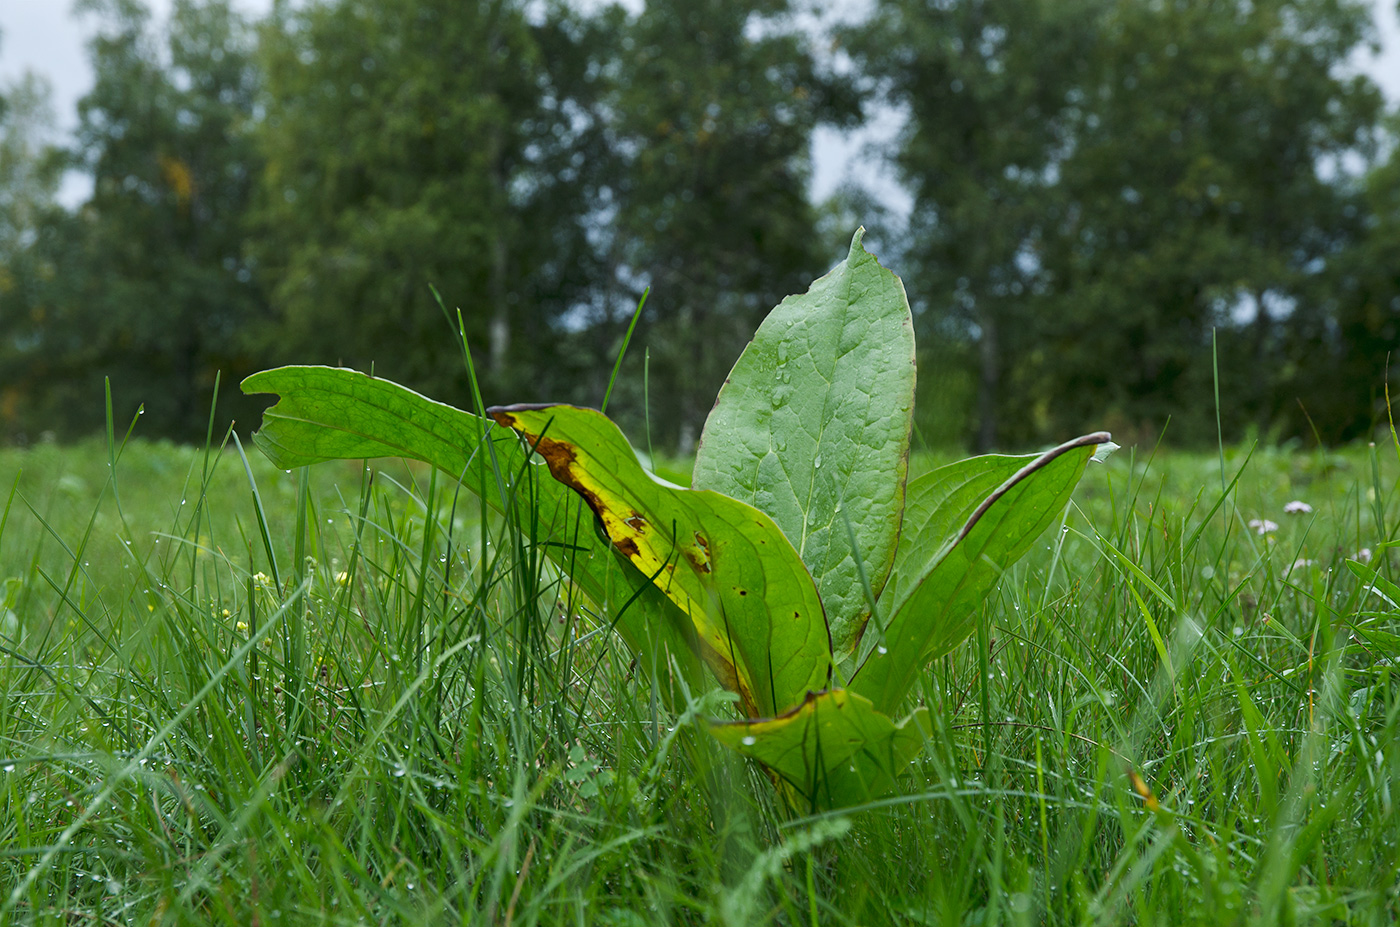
(1364, 555)
(1297, 507)
(1263, 526)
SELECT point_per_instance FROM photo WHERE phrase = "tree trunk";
(987, 385)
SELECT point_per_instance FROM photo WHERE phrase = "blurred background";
(1101, 209)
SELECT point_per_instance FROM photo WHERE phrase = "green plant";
(800, 570)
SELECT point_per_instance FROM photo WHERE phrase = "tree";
(418, 143)
(988, 86)
(1344, 369)
(153, 290)
(1098, 184)
(713, 111)
(1201, 199)
(30, 171)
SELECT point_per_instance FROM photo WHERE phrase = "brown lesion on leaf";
(699, 555)
(636, 522)
(727, 674)
(562, 459)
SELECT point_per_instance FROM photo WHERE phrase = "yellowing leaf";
(330, 413)
(725, 564)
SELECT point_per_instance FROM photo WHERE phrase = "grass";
(351, 699)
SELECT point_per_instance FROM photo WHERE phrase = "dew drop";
(749, 741)
(882, 650)
(782, 352)
(9, 767)
(817, 463)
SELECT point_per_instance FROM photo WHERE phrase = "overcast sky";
(43, 36)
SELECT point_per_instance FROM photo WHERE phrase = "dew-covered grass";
(350, 699)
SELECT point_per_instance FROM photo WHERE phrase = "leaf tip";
(857, 248)
(1104, 451)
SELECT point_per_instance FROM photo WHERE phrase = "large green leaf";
(812, 427)
(936, 507)
(756, 613)
(834, 750)
(327, 413)
(938, 610)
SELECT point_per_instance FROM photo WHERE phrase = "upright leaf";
(938, 610)
(327, 413)
(814, 419)
(936, 507)
(756, 613)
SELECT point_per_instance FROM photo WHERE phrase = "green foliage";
(149, 283)
(1106, 195)
(713, 105)
(812, 427)
(1070, 778)
(1197, 195)
(465, 158)
(330, 414)
(740, 576)
(28, 169)
(1098, 185)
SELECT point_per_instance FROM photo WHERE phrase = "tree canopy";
(1110, 201)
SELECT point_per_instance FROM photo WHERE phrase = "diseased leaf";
(327, 413)
(814, 418)
(938, 611)
(755, 610)
(835, 750)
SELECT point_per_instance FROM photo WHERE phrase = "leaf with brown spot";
(328, 413)
(704, 548)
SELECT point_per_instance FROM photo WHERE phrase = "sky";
(44, 37)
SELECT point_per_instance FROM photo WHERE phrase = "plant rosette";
(802, 570)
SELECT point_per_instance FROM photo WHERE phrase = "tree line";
(1118, 207)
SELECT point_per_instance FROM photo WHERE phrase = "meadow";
(342, 695)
